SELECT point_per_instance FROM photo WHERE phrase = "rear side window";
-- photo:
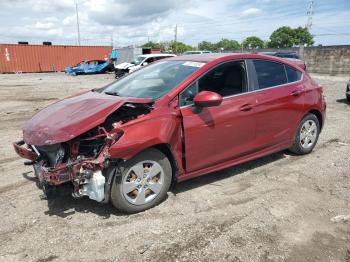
(293, 75)
(269, 73)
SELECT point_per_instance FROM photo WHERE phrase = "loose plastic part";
(95, 187)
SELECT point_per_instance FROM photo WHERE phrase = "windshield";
(153, 81)
(138, 60)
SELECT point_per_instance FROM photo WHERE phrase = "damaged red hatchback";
(173, 120)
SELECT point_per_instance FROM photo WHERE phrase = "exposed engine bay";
(84, 160)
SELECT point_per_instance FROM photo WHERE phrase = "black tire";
(297, 148)
(118, 199)
(348, 98)
(119, 73)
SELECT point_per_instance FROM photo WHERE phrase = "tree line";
(282, 37)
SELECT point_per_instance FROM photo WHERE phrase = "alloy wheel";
(143, 182)
(308, 134)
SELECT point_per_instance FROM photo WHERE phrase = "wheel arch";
(318, 114)
(167, 151)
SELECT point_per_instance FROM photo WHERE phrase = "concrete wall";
(331, 60)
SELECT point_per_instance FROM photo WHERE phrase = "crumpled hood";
(124, 65)
(71, 117)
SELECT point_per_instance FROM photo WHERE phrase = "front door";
(217, 134)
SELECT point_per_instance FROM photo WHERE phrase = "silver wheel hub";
(143, 182)
(308, 134)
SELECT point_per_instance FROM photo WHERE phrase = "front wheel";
(143, 183)
(119, 73)
(306, 136)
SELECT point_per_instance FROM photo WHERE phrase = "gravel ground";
(278, 208)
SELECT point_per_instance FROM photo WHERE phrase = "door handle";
(296, 93)
(246, 107)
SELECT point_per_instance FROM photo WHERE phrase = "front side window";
(269, 73)
(153, 81)
(186, 97)
(227, 79)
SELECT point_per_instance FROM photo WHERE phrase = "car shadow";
(343, 101)
(214, 177)
(64, 205)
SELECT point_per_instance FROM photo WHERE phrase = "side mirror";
(207, 99)
(145, 63)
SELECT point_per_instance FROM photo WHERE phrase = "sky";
(134, 22)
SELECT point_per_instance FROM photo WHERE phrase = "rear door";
(279, 103)
(216, 134)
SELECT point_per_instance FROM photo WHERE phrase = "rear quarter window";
(293, 75)
(269, 73)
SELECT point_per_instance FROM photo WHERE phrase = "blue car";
(90, 67)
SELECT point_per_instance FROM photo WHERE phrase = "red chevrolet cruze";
(172, 120)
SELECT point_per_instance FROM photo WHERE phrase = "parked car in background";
(292, 56)
(90, 67)
(348, 91)
(173, 120)
(198, 52)
(140, 61)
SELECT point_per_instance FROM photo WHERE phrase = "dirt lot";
(280, 207)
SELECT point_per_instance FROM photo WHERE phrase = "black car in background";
(292, 55)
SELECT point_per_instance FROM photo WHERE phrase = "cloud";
(134, 21)
(51, 19)
(40, 25)
(251, 12)
(69, 20)
(51, 6)
(109, 12)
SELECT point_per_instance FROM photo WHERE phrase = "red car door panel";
(217, 134)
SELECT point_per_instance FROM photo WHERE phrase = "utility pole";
(310, 12)
(175, 36)
(77, 13)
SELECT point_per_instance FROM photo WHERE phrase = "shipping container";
(16, 58)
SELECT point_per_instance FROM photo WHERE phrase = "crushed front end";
(83, 162)
(80, 162)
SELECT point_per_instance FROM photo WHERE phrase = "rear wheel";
(348, 98)
(307, 135)
(144, 182)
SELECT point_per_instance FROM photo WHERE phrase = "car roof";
(155, 55)
(206, 58)
(197, 51)
(201, 57)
